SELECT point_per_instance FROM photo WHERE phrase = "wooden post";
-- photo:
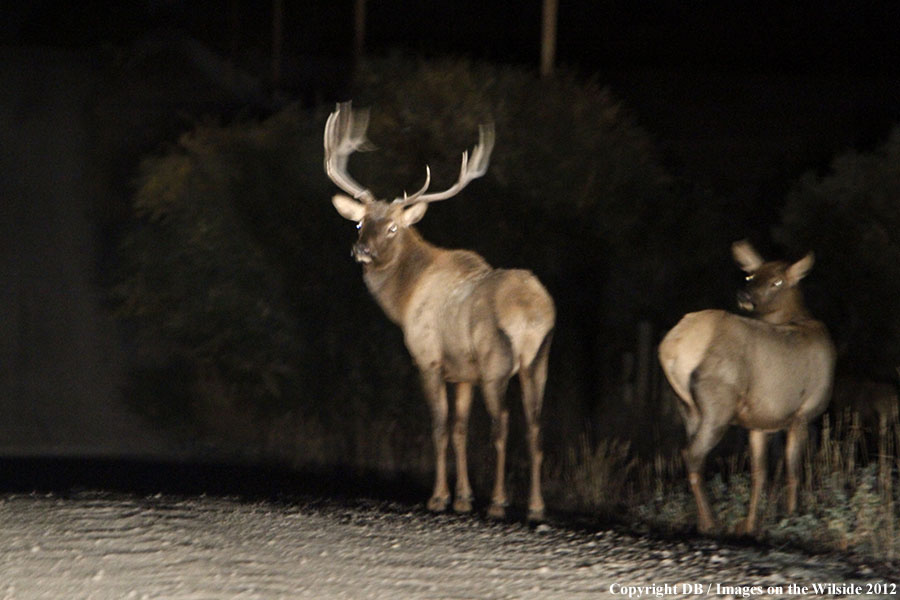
(277, 40)
(359, 30)
(548, 37)
(234, 26)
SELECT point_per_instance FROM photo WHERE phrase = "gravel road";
(112, 545)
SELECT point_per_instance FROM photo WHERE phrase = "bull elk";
(463, 322)
(768, 372)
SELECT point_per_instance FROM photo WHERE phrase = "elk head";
(381, 223)
(771, 293)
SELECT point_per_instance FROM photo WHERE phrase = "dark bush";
(237, 266)
(850, 217)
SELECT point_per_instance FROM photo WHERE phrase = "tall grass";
(848, 494)
(848, 497)
(848, 489)
(594, 476)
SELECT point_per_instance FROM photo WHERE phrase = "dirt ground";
(104, 546)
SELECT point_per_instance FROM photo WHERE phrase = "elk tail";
(526, 314)
(683, 349)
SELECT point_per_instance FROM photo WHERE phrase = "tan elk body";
(768, 372)
(463, 322)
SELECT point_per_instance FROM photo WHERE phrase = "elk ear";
(799, 269)
(414, 213)
(746, 257)
(349, 208)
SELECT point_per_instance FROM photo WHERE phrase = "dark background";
(740, 98)
(741, 95)
(859, 38)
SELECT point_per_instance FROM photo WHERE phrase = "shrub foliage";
(850, 216)
(236, 266)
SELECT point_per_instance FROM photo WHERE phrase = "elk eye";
(392, 229)
(750, 277)
(777, 282)
(359, 225)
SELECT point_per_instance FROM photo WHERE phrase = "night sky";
(780, 87)
(594, 36)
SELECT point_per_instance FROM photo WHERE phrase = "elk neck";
(393, 281)
(788, 309)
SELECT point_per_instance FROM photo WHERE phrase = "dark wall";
(61, 363)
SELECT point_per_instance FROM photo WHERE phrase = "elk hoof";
(744, 527)
(438, 503)
(536, 515)
(706, 527)
(463, 504)
(497, 510)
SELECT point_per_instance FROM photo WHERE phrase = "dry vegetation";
(848, 496)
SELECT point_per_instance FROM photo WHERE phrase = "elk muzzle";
(363, 253)
(745, 301)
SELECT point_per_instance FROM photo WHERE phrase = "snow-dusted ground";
(111, 546)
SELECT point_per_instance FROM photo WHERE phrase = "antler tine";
(343, 136)
(411, 199)
(470, 168)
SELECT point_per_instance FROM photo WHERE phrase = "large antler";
(344, 135)
(470, 169)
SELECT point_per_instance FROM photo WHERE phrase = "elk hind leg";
(533, 379)
(714, 419)
(436, 394)
(690, 416)
(494, 393)
(462, 501)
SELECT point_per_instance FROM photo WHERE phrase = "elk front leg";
(796, 440)
(494, 393)
(758, 440)
(462, 501)
(436, 394)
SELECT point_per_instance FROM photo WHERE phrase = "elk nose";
(362, 253)
(745, 302)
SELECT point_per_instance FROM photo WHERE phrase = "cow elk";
(872, 401)
(463, 322)
(767, 372)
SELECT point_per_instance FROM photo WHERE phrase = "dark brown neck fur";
(391, 282)
(789, 309)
